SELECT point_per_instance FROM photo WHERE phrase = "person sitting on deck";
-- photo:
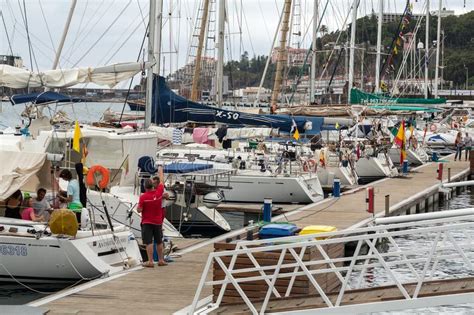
(13, 204)
(40, 205)
(28, 213)
(149, 205)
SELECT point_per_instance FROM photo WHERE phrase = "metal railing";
(440, 243)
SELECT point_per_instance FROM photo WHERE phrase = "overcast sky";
(106, 31)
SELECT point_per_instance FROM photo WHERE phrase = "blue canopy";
(169, 107)
(42, 97)
(181, 168)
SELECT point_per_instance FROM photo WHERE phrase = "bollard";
(449, 174)
(405, 167)
(387, 205)
(370, 199)
(440, 171)
(336, 188)
(267, 210)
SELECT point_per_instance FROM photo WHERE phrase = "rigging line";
(141, 14)
(333, 50)
(131, 80)
(121, 45)
(47, 26)
(77, 43)
(264, 20)
(27, 33)
(6, 33)
(73, 42)
(103, 34)
(248, 31)
(300, 73)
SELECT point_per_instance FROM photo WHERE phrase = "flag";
(85, 152)
(322, 160)
(294, 128)
(76, 138)
(400, 140)
(126, 165)
(337, 125)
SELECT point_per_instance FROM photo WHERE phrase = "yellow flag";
(296, 135)
(337, 125)
(76, 138)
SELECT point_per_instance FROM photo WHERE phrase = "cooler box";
(314, 229)
(277, 230)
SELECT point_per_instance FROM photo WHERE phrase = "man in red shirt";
(149, 205)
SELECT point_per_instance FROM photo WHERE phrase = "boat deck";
(164, 290)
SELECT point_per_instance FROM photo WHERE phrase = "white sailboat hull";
(58, 259)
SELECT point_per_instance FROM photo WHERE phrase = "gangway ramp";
(385, 271)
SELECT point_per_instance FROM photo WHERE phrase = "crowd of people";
(38, 209)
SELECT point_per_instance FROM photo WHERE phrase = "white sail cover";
(18, 78)
(21, 170)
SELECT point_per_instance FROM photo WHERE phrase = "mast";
(220, 54)
(197, 61)
(65, 31)
(352, 48)
(154, 46)
(267, 63)
(379, 48)
(313, 48)
(438, 41)
(282, 55)
(427, 46)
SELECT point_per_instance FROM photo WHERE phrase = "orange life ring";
(433, 128)
(91, 176)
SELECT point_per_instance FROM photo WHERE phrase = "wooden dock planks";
(164, 290)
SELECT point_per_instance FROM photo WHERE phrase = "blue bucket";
(434, 157)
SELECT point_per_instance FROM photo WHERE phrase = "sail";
(361, 97)
(169, 107)
(18, 78)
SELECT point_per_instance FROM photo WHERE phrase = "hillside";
(458, 51)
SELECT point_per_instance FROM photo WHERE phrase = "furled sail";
(18, 78)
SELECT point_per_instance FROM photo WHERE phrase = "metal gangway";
(422, 263)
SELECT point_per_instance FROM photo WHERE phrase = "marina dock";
(165, 290)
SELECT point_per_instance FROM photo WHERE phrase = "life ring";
(433, 128)
(91, 176)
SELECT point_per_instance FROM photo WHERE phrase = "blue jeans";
(458, 153)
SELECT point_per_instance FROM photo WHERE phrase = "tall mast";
(65, 31)
(197, 61)
(427, 46)
(154, 46)
(313, 48)
(352, 48)
(282, 55)
(379, 48)
(220, 54)
(438, 45)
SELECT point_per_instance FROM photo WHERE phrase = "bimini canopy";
(169, 107)
(43, 97)
(23, 170)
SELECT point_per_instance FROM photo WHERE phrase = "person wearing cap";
(72, 194)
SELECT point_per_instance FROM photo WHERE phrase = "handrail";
(445, 239)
